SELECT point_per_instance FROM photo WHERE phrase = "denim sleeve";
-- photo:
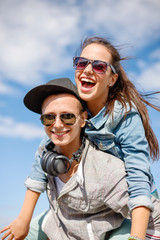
(130, 135)
(37, 180)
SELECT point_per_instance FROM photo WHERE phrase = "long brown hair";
(125, 91)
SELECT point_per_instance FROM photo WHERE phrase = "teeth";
(87, 80)
(59, 134)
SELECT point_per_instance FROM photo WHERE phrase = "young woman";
(119, 121)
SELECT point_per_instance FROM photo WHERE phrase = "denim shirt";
(119, 136)
(125, 138)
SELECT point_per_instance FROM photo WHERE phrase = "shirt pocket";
(103, 143)
(106, 144)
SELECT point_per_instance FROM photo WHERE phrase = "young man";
(86, 187)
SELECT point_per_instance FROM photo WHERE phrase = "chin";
(59, 142)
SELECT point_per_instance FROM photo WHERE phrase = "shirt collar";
(98, 120)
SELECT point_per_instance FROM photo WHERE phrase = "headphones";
(54, 163)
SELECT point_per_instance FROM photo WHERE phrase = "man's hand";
(17, 230)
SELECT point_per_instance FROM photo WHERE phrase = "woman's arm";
(19, 228)
(137, 163)
(140, 217)
(130, 135)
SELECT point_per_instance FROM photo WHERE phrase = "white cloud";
(136, 22)
(38, 37)
(10, 128)
(149, 78)
(34, 36)
(155, 55)
(7, 89)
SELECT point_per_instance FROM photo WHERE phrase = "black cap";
(33, 100)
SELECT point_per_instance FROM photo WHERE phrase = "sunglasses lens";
(80, 63)
(99, 67)
(68, 118)
(48, 119)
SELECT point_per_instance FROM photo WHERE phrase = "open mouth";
(87, 83)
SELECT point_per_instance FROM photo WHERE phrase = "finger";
(6, 235)
(11, 237)
(4, 229)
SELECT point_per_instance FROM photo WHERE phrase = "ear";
(84, 116)
(113, 79)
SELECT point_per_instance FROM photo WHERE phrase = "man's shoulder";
(42, 146)
(103, 168)
(102, 158)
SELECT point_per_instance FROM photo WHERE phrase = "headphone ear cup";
(54, 163)
(61, 164)
(46, 162)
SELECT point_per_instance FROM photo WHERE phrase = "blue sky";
(38, 39)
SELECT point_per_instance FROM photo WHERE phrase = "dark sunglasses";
(49, 119)
(100, 67)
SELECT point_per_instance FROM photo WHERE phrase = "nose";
(58, 123)
(88, 69)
